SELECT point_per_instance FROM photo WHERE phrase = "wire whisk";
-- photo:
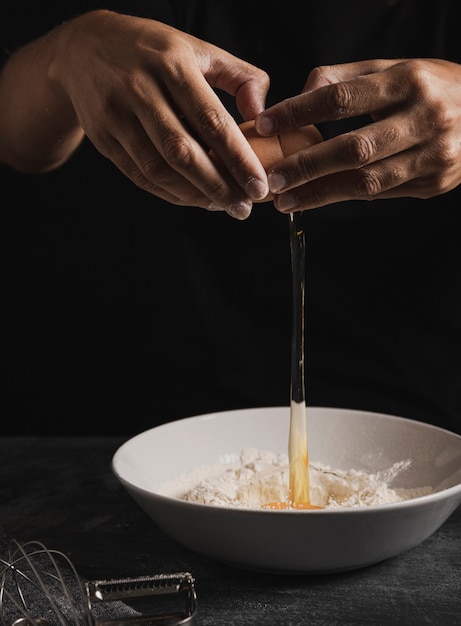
(40, 587)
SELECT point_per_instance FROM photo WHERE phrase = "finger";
(363, 95)
(186, 194)
(330, 74)
(247, 83)
(218, 131)
(389, 178)
(128, 166)
(344, 152)
(156, 177)
(188, 157)
(184, 174)
(134, 155)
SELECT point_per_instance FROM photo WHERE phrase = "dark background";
(122, 312)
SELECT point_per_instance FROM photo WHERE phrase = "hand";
(144, 94)
(412, 146)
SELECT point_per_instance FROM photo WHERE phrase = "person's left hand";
(411, 148)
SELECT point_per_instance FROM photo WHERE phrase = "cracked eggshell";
(269, 150)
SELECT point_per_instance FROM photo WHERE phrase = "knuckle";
(194, 199)
(448, 156)
(178, 150)
(367, 184)
(219, 191)
(440, 183)
(439, 117)
(318, 72)
(153, 171)
(308, 166)
(339, 98)
(417, 75)
(317, 197)
(211, 122)
(237, 166)
(420, 80)
(443, 162)
(294, 115)
(360, 148)
(140, 180)
(312, 195)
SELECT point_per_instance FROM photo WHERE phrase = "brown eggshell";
(269, 150)
(299, 139)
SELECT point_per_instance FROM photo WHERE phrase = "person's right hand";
(144, 94)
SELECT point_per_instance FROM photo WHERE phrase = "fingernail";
(240, 210)
(277, 182)
(286, 202)
(257, 189)
(265, 125)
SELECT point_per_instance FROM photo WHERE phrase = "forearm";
(38, 126)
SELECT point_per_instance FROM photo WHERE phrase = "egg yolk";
(280, 506)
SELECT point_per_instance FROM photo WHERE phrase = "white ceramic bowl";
(290, 541)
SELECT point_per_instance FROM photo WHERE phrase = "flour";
(259, 477)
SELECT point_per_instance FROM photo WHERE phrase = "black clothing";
(124, 312)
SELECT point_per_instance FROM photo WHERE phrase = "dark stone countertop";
(62, 492)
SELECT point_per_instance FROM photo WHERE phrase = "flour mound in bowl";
(259, 477)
